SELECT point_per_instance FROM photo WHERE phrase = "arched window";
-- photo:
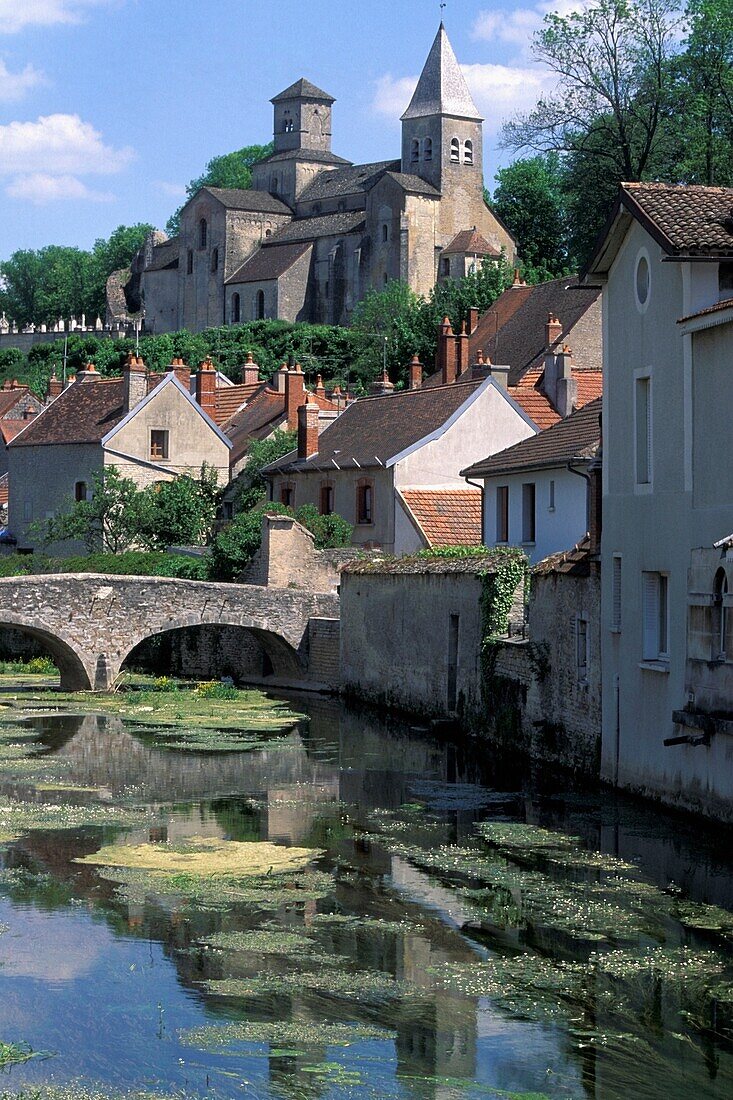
(260, 305)
(415, 151)
(720, 616)
(274, 185)
(215, 260)
(427, 149)
(468, 152)
(203, 233)
(236, 309)
(455, 151)
(385, 232)
(268, 232)
(365, 502)
(189, 262)
(80, 491)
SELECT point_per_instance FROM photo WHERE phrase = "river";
(463, 931)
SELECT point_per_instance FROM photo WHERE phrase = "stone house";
(666, 263)
(537, 493)
(17, 406)
(390, 464)
(149, 427)
(315, 232)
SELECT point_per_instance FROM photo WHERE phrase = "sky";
(109, 107)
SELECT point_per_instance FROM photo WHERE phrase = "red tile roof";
(447, 517)
(10, 428)
(9, 398)
(229, 399)
(258, 419)
(83, 413)
(470, 242)
(686, 219)
(538, 407)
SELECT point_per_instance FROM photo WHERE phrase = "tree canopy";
(228, 170)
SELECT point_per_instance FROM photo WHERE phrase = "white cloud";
(58, 145)
(174, 190)
(14, 86)
(517, 27)
(41, 189)
(393, 95)
(16, 15)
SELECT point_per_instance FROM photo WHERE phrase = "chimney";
(518, 280)
(415, 370)
(250, 371)
(481, 368)
(294, 395)
(500, 374)
(447, 353)
(206, 387)
(566, 387)
(308, 428)
(71, 379)
(89, 374)
(320, 388)
(382, 386)
(553, 331)
(134, 382)
(182, 371)
(55, 386)
(338, 398)
(462, 352)
(473, 316)
(279, 378)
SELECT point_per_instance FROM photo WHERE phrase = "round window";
(642, 280)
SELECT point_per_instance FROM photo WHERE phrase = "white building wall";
(557, 528)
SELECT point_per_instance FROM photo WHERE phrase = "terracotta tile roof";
(574, 563)
(472, 242)
(447, 517)
(269, 263)
(258, 419)
(719, 307)
(83, 413)
(685, 219)
(537, 406)
(10, 428)
(231, 398)
(4, 489)
(576, 437)
(373, 430)
(10, 398)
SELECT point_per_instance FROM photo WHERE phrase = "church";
(315, 232)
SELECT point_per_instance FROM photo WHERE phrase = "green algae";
(285, 1033)
(18, 818)
(82, 1091)
(368, 924)
(261, 942)
(265, 893)
(204, 858)
(361, 985)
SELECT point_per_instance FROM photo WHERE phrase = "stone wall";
(288, 558)
(324, 660)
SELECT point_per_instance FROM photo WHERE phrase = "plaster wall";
(345, 482)
(43, 481)
(557, 528)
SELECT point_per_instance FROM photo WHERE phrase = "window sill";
(654, 666)
(528, 542)
(615, 629)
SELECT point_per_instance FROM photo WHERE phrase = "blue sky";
(109, 107)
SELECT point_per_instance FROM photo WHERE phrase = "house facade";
(315, 232)
(151, 429)
(666, 261)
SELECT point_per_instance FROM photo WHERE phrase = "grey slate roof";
(442, 88)
(165, 255)
(413, 184)
(347, 181)
(303, 89)
(269, 263)
(318, 157)
(260, 202)
(312, 228)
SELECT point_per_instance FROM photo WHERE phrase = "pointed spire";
(442, 88)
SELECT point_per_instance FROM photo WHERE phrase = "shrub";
(329, 531)
(216, 690)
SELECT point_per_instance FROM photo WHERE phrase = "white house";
(666, 261)
(535, 493)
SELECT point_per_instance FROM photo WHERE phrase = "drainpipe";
(476, 485)
(587, 478)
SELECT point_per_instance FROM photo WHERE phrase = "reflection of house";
(150, 428)
(666, 259)
(536, 492)
(390, 464)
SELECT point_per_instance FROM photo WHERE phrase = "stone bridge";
(90, 623)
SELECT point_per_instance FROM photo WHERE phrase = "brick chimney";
(134, 382)
(308, 428)
(182, 371)
(473, 316)
(382, 387)
(294, 395)
(447, 353)
(54, 388)
(553, 330)
(462, 352)
(279, 378)
(89, 374)
(415, 370)
(320, 388)
(206, 387)
(250, 371)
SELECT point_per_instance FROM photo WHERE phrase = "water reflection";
(116, 983)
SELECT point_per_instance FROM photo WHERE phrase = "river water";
(464, 932)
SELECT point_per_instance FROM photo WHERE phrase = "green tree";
(113, 254)
(179, 512)
(253, 484)
(109, 521)
(329, 532)
(530, 199)
(22, 275)
(228, 170)
(392, 326)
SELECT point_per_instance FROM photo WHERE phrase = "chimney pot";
(294, 396)
(308, 428)
(206, 387)
(415, 373)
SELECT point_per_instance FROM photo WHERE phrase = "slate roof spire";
(442, 88)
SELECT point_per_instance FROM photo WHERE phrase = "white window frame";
(655, 618)
(644, 374)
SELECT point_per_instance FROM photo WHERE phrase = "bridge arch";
(75, 676)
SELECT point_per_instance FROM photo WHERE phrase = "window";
(468, 152)
(268, 233)
(643, 429)
(236, 309)
(80, 491)
(655, 606)
(616, 594)
(720, 616)
(158, 445)
(287, 494)
(581, 649)
(386, 278)
(215, 260)
(326, 499)
(189, 262)
(203, 233)
(725, 280)
(445, 265)
(365, 502)
(385, 232)
(502, 513)
(260, 306)
(427, 149)
(528, 512)
(27, 509)
(643, 280)
(551, 497)
(455, 151)
(415, 151)
(274, 185)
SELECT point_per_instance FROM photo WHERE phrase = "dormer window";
(415, 152)
(468, 152)
(455, 151)
(203, 233)
(427, 152)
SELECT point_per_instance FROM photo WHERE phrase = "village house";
(150, 428)
(17, 406)
(666, 262)
(315, 232)
(536, 493)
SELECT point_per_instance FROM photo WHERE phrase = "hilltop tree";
(228, 170)
(530, 199)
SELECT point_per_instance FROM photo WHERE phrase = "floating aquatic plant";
(282, 1033)
(261, 942)
(13, 1054)
(205, 857)
(356, 985)
(17, 818)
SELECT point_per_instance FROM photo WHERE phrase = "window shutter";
(650, 603)
(649, 463)
(616, 606)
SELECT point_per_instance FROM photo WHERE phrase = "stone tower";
(303, 118)
(442, 138)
